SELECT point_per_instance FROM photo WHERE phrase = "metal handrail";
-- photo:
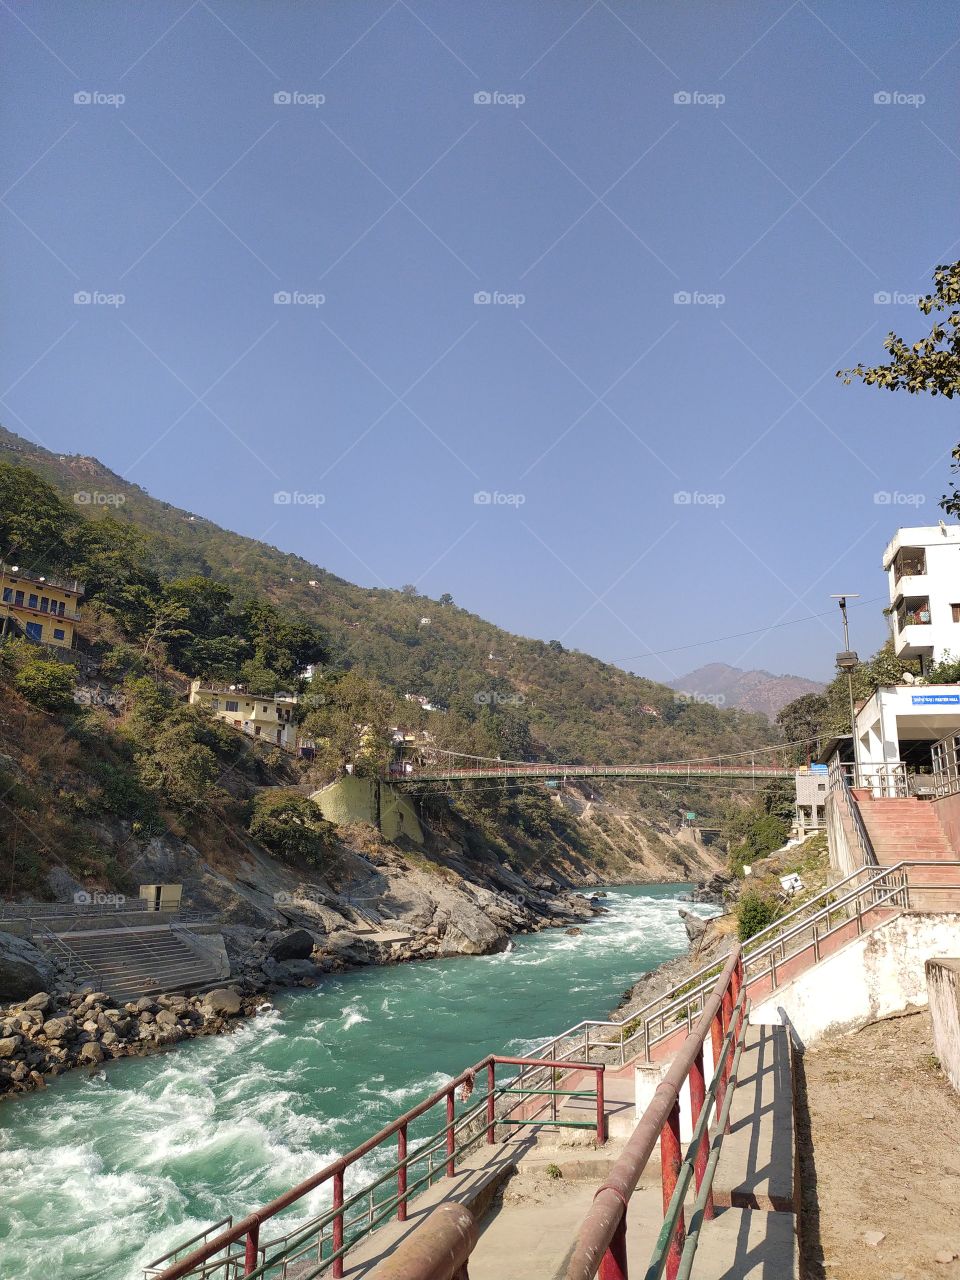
(601, 1239)
(480, 1119)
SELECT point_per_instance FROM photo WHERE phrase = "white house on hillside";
(923, 568)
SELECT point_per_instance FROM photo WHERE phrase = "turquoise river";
(101, 1173)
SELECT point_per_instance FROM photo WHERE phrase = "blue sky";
(619, 159)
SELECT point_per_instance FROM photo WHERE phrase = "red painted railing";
(601, 1242)
(216, 1253)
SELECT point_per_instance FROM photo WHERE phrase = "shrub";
(754, 913)
(290, 825)
(46, 684)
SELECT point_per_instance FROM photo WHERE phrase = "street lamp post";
(848, 661)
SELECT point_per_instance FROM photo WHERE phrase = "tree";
(446, 599)
(930, 365)
(164, 623)
(35, 523)
(290, 825)
(802, 720)
(350, 723)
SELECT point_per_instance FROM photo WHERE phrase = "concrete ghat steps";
(131, 962)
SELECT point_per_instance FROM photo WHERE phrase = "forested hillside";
(565, 705)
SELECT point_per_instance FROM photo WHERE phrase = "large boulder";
(290, 944)
(24, 970)
(224, 1001)
(289, 970)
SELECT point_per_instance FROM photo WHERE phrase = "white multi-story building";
(923, 567)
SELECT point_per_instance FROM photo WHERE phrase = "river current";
(102, 1172)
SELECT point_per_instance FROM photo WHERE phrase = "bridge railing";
(320, 1243)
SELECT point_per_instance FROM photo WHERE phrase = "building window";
(954, 608)
(60, 609)
(34, 631)
(18, 598)
(7, 594)
(45, 604)
(214, 704)
(32, 602)
(58, 633)
(232, 706)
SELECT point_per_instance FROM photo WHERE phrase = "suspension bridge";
(437, 765)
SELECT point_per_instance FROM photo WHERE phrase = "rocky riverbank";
(44, 1036)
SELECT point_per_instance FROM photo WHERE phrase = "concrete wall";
(842, 846)
(943, 989)
(880, 973)
(353, 799)
(948, 811)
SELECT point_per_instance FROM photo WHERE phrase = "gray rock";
(289, 970)
(9, 1046)
(60, 1028)
(41, 1002)
(290, 944)
(167, 1019)
(91, 1052)
(224, 1000)
(24, 971)
(146, 1005)
(694, 926)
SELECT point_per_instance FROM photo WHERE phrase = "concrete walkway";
(531, 1193)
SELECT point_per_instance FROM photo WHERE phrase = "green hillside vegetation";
(170, 596)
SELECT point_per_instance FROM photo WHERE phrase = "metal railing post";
(402, 1174)
(601, 1128)
(698, 1093)
(613, 1264)
(450, 1135)
(716, 1040)
(250, 1250)
(491, 1111)
(338, 1225)
(669, 1172)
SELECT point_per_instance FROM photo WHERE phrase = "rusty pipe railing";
(601, 1240)
(437, 1250)
(259, 1259)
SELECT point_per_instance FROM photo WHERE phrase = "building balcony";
(909, 562)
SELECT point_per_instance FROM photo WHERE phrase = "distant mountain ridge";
(754, 690)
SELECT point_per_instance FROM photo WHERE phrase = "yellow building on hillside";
(269, 717)
(39, 608)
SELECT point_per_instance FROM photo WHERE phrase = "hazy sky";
(686, 217)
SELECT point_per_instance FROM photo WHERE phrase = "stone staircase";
(129, 963)
(904, 828)
(909, 829)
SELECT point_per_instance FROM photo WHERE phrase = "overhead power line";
(738, 635)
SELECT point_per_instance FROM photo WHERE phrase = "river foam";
(101, 1173)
